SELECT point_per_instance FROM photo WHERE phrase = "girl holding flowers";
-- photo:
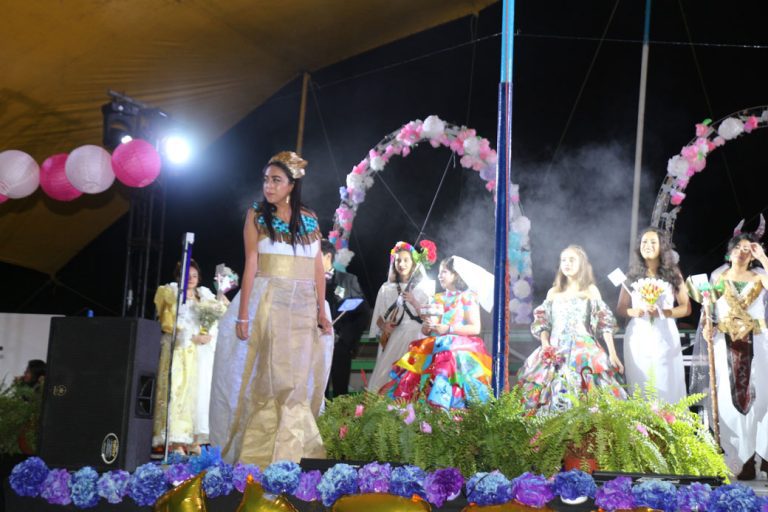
(568, 324)
(652, 351)
(396, 319)
(450, 365)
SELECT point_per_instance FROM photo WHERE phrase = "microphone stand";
(181, 298)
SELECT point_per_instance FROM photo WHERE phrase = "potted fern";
(641, 434)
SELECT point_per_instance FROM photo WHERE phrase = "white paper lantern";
(521, 289)
(89, 169)
(19, 174)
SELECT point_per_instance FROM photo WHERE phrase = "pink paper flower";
(343, 431)
(702, 130)
(641, 428)
(490, 186)
(718, 141)
(410, 416)
(750, 124)
(360, 168)
(426, 427)
(676, 197)
(359, 410)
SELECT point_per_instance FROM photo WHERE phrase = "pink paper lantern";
(136, 163)
(19, 174)
(53, 179)
(89, 169)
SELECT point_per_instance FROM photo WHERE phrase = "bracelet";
(238, 321)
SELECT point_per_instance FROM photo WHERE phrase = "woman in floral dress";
(570, 360)
(451, 365)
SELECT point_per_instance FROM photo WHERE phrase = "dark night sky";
(575, 192)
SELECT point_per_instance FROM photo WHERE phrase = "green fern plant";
(19, 416)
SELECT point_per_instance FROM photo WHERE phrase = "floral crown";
(292, 161)
(427, 255)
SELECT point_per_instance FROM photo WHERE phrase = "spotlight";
(176, 149)
(125, 139)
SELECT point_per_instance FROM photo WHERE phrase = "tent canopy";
(206, 63)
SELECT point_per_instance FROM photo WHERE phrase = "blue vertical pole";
(503, 186)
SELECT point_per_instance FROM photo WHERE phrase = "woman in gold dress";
(269, 348)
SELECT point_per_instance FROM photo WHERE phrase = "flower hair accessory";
(295, 164)
(426, 256)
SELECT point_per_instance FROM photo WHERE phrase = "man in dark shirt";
(348, 329)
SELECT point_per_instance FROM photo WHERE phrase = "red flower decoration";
(430, 251)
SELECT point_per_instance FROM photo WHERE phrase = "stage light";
(125, 139)
(176, 149)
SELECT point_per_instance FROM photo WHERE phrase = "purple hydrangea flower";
(443, 485)
(56, 487)
(27, 477)
(407, 481)
(656, 494)
(693, 497)
(82, 488)
(341, 479)
(489, 489)
(574, 484)
(218, 481)
(113, 486)
(281, 477)
(532, 490)
(240, 475)
(374, 477)
(615, 494)
(308, 482)
(177, 473)
(147, 484)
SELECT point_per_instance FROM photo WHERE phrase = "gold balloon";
(506, 507)
(186, 497)
(375, 502)
(255, 500)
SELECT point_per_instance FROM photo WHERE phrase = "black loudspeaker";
(99, 392)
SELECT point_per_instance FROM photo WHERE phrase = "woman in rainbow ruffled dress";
(652, 350)
(451, 366)
(568, 324)
(271, 363)
(395, 320)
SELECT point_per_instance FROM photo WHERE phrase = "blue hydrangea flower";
(489, 489)
(147, 484)
(281, 477)
(209, 457)
(733, 498)
(218, 481)
(532, 490)
(338, 481)
(177, 473)
(407, 481)
(82, 487)
(27, 477)
(113, 486)
(574, 484)
(656, 494)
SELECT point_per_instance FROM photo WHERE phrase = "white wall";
(22, 337)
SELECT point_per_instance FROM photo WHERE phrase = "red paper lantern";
(136, 163)
(53, 179)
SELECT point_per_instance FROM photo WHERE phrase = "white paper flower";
(354, 181)
(521, 289)
(514, 306)
(521, 225)
(343, 257)
(433, 127)
(377, 163)
(730, 128)
(471, 146)
(677, 166)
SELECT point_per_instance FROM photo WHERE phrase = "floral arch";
(692, 159)
(475, 154)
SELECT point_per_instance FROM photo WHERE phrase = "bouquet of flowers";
(208, 313)
(550, 357)
(650, 289)
(432, 311)
(225, 279)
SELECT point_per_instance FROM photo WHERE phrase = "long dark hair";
(267, 210)
(668, 268)
(733, 242)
